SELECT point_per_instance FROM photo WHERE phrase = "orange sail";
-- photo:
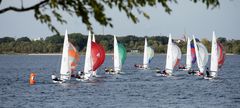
(98, 55)
(73, 57)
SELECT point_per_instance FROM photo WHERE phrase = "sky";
(186, 17)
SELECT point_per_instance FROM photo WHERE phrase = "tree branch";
(23, 9)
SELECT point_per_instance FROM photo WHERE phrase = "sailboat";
(88, 66)
(119, 56)
(147, 56)
(190, 56)
(173, 56)
(69, 61)
(94, 58)
(217, 57)
(201, 55)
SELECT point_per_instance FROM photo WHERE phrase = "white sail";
(94, 73)
(93, 39)
(145, 55)
(65, 73)
(214, 57)
(117, 62)
(201, 54)
(188, 55)
(88, 59)
(169, 63)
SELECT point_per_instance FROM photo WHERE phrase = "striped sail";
(73, 58)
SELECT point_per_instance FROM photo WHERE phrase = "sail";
(73, 58)
(188, 55)
(65, 73)
(94, 73)
(221, 55)
(145, 55)
(193, 53)
(176, 55)
(214, 56)
(98, 55)
(117, 62)
(169, 63)
(217, 56)
(88, 59)
(201, 54)
(150, 54)
(122, 54)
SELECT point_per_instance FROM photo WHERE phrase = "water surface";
(134, 88)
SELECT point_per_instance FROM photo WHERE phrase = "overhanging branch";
(23, 9)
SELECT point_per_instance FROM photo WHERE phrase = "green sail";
(122, 53)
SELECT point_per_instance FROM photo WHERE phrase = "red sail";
(98, 55)
(221, 55)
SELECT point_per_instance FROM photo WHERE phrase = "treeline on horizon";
(54, 44)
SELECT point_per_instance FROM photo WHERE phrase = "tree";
(47, 10)
(6, 39)
(207, 43)
(23, 39)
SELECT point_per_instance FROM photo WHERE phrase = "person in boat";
(181, 67)
(138, 66)
(207, 72)
(108, 69)
(158, 70)
(191, 71)
(164, 72)
(54, 78)
(81, 75)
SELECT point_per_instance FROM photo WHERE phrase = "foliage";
(46, 11)
(53, 44)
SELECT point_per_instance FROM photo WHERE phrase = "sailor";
(54, 78)
(207, 72)
(158, 70)
(164, 72)
(182, 67)
(191, 71)
(81, 75)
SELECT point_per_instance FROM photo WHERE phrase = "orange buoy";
(32, 78)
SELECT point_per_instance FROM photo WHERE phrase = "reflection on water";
(132, 88)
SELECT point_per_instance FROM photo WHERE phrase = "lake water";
(134, 88)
